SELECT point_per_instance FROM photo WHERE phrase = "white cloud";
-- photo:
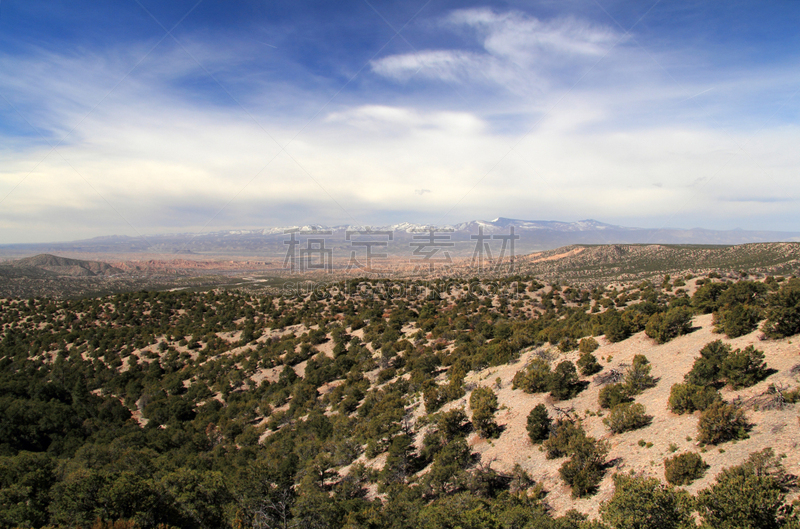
(447, 65)
(520, 51)
(525, 39)
(397, 120)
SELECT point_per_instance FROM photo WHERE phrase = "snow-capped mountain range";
(530, 236)
(491, 226)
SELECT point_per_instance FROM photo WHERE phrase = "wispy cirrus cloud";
(518, 50)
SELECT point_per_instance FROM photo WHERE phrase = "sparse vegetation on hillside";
(228, 409)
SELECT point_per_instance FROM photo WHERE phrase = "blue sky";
(126, 117)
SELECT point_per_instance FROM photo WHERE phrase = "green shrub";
(588, 364)
(646, 503)
(434, 398)
(682, 469)
(483, 403)
(561, 436)
(400, 459)
(448, 468)
(588, 345)
(539, 423)
(707, 369)
(717, 364)
(535, 378)
(451, 424)
(627, 416)
(564, 383)
(447, 426)
(664, 327)
(638, 377)
(721, 422)
(386, 374)
(751, 495)
(706, 298)
(791, 396)
(743, 293)
(743, 368)
(584, 470)
(612, 395)
(783, 311)
(615, 327)
(688, 398)
(737, 320)
(566, 345)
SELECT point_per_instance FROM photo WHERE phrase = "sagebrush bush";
(682, 469)
(627, 416)
(721, 422)
(688, 398)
